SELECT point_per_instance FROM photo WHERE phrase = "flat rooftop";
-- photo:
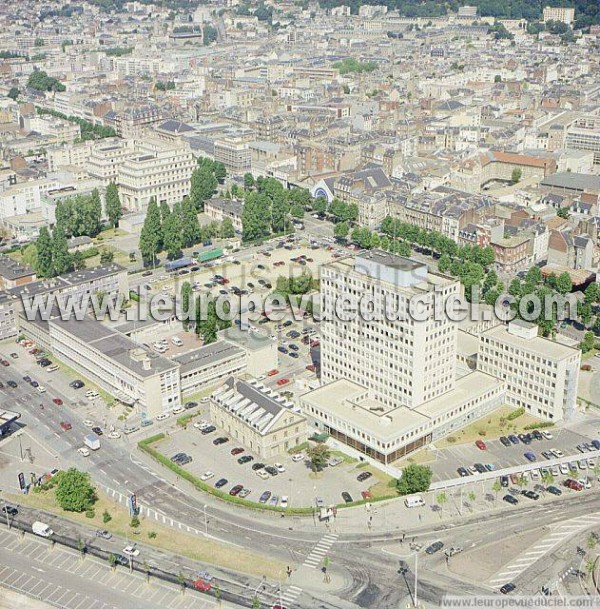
(348, 401)
(208, 355)
(12, 269)
(393, 261)
(538, 345)
(63, 282)
(114, 345)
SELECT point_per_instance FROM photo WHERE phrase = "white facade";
(156, 170)
(541, 375)
(401, 362)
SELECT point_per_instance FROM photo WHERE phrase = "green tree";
(44, 253)
(227, 229)
(14, 93)
(297, 211)
(220, 172)
(191, 232)
(318, 455)
(203, 185)
(78, 260)
(415, 479)
(341, 230)
(592, 293)
(61, 258)
(172, 231)
(151, 233)
(563, 283)
(112, 205)
(248, 181)
(256, 603)
(515, 177)
(30, 255)
(496, 487)
(320, 205)
(107, 256)
(74, 491)
(563, 212)
(279, 212)
(186, 303)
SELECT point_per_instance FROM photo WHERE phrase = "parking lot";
(297, 482)
(64, 579)
(448, 460)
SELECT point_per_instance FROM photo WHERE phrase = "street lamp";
(5, 510)
(205, 522)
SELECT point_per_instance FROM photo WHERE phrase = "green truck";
(208, 255)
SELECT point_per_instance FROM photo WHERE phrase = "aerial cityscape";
(299, 304)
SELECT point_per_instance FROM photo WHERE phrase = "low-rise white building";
(541, 375)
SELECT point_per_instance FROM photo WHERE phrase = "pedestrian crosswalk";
(290, 595)
(318, 553)
(560, 533)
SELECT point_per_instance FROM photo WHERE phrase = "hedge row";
(146, 446)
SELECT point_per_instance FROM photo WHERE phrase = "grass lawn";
(421, 457)
(494, 425)
(195, 547)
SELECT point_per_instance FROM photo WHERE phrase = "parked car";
(209, 429)
(103, 533)
(245, 459)
(221, 483)
(66, 426)
(265, 497)
(513, 439)
(510, 499)
(530, 495)
(235, 490)
(347, 497)
(504, 440)
(554, 490)
(364, 476)
(237, 451)
(480, 445)
(529, 456)
(507, 588)
(219, 441)
(436, 546)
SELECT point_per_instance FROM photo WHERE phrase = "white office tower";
(406, 361)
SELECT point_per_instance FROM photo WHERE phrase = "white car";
(92, 396)
(261, 377)
(556, 452)
(114, 435)
(41, 389)
(555, 470)
(83, 451)
(131, 550)
(284, 501)
(547, 435)
(88, 423)
(591, 464)
(162, 416)
(297, 457)
(90, 393)
(207, 476)
(262, 474)
(564, 469)
(279, 467)
(204, 400)
(178, 410)
(201, 425)
(585, 483)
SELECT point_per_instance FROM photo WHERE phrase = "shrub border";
(146, 446)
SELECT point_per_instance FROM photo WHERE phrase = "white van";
(52, 368)
(177, 341)
(414, 501)
(41, 529)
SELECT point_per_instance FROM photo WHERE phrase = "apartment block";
(157, 169)
(234, 154)
(541, 375)
(559, 13)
